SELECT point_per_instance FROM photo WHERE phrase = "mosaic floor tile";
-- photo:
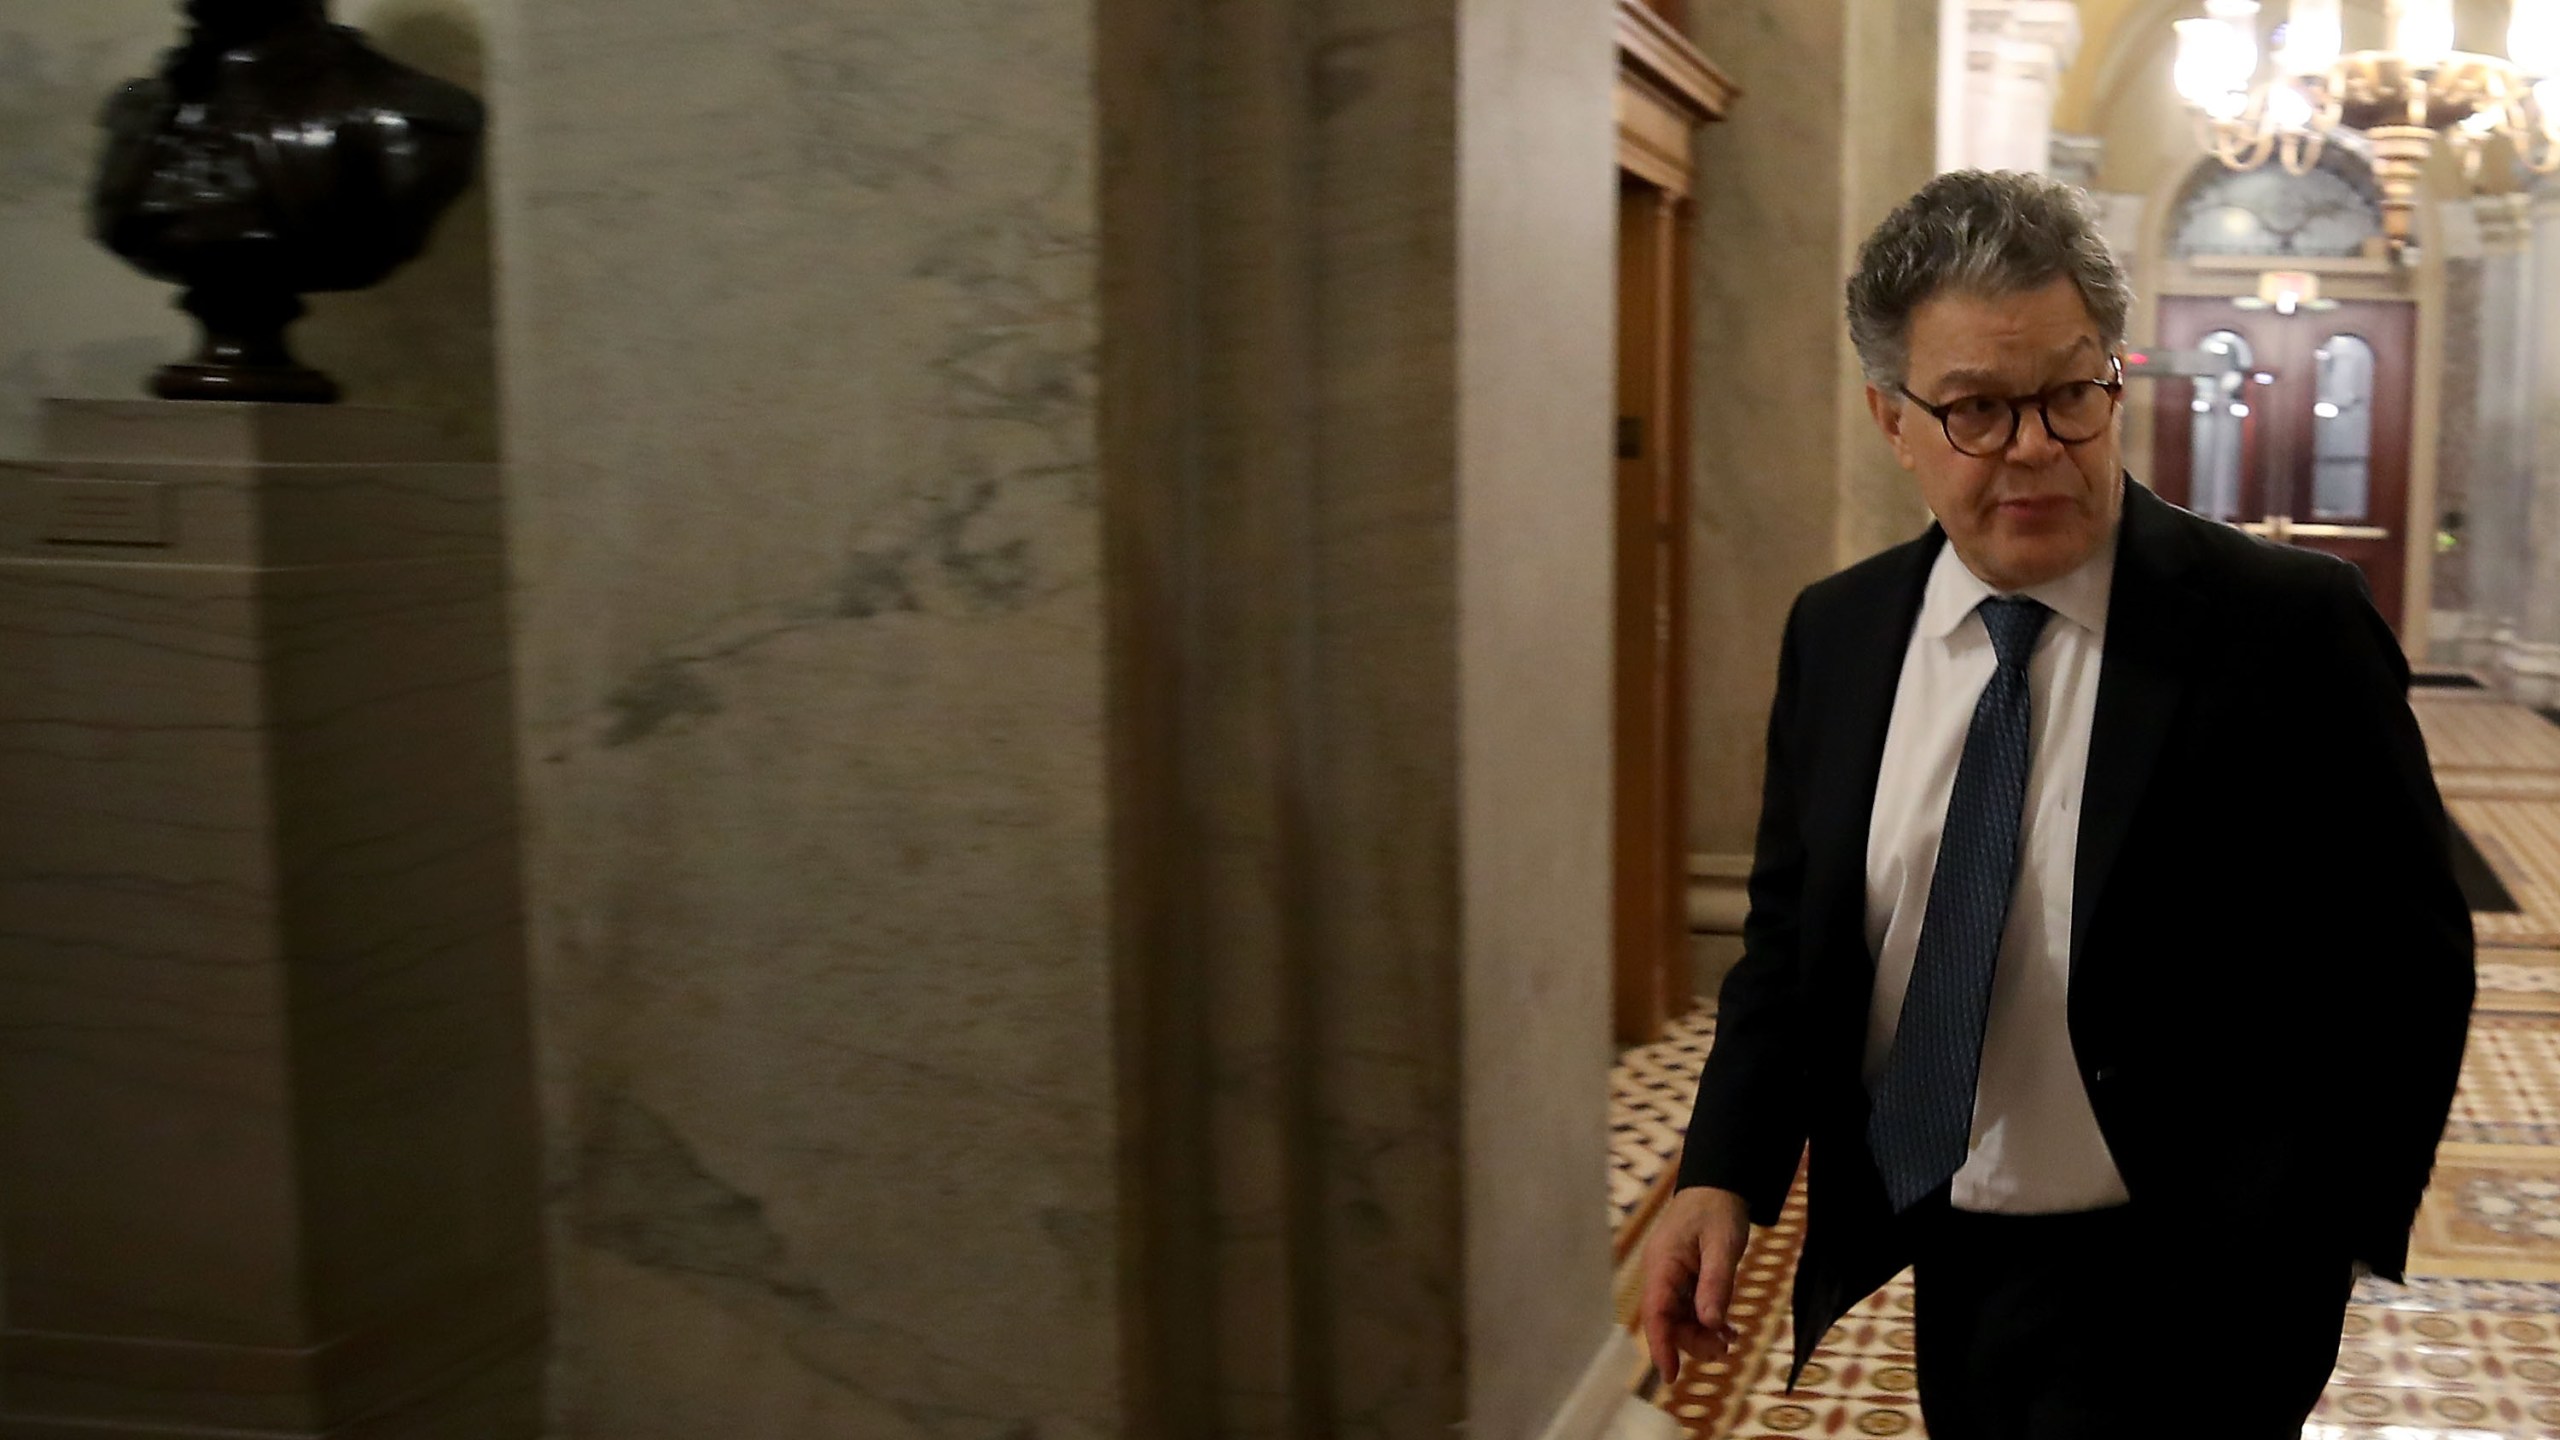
(2490, 1212)
(2521, 841)
(1650, 1092)
(2434, 1364)
(2484, 734)
(2499, 785)
(2509, 1093)
(2516, 970)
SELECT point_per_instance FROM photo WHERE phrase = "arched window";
(2329, 212)
(2219, 432)
(2342, 430)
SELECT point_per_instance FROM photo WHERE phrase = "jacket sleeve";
(2406, 971)
(1747, 1130)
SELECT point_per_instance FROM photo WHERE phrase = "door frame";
(1666, 89)
(2159, 275)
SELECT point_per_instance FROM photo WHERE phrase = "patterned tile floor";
(2468, 1350)
(1650, 1093)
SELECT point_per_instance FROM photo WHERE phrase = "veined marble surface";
(1791, 479)
(800, 317)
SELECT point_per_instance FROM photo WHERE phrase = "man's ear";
(1890, 413)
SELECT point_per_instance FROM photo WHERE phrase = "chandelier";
(2403, 101)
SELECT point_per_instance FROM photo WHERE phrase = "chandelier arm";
(2221, 140)
(2262, 146)
(2528, 128)
(2536, 148)
(2300, 152)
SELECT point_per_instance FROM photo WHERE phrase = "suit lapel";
(2150, 615)
(1869, 660)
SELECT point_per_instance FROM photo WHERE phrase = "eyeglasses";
(2075, 412)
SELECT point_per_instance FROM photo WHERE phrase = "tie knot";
(2014, 621)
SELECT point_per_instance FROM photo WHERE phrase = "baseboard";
(2526, 671)
(1602, 1406)
(1719, 893)
(2530, 671)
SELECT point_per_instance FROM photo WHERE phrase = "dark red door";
(2298, 430)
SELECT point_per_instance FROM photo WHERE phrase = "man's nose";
(2033, 444)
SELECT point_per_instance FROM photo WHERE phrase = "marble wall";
(82, 323)
(859, 1054)
(1535, 547)
(2497, 603)
(2476, 292)
(2531, 662)
(2485, 452)
(1063, 601)
(1792, 480)
(800, 321)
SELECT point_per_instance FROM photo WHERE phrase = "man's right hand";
(1689, 1266)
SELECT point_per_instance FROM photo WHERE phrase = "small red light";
(2136, 357)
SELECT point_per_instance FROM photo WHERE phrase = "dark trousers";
(2067, 1326)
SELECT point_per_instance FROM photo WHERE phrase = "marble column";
(2011, 69)
(1792, 480)
(2075, 160)
(1064, 568)
(266, 1101)
(2531, 660)
(2483, 469)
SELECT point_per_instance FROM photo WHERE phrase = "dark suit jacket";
(2270, 958)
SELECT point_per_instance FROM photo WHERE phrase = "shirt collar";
(2079, 597)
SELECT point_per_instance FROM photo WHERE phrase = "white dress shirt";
(2035, 1144)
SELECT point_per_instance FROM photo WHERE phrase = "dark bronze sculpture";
(274, 155)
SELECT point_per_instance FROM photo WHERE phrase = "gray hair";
(1984, 233)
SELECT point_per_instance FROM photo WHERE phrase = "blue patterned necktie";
(1922, 1123)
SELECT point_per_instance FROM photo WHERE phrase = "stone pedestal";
(266, 1113)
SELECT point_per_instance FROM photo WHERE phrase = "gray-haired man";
(2083, 1022)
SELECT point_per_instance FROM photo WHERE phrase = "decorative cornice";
(2054, 24)
(2506, 222)
(1652, 47)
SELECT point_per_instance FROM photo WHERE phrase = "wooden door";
(2296, 427)
(1652, 829)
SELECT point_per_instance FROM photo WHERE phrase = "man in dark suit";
(2103, 940)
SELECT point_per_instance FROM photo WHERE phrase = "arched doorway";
(2285, 356)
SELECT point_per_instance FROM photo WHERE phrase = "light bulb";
(2312, 37)
(2422, 29)
(2533, 37)
(2214, 60)
(2289, 108)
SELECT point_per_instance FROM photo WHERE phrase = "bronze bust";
(273, 155)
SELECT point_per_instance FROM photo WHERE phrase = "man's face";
(2038, 508)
